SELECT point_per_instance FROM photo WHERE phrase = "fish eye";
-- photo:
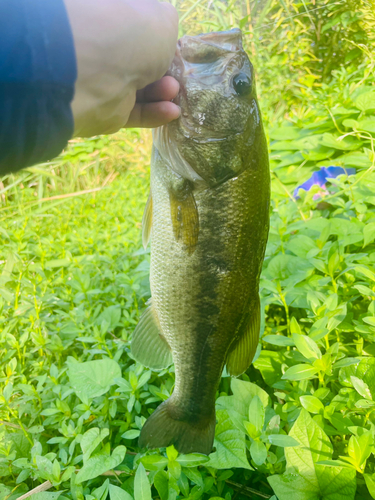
(242, 84)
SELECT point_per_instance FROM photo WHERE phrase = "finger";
(153, 114)
(164, 89)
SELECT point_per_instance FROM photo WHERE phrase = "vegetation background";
(300, 424)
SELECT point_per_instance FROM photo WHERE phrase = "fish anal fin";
(149, 346)
(242, 351)
(147, 221)
(185, 219)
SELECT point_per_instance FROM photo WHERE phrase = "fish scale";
(208, 237)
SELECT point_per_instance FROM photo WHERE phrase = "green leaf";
(360, 447)
(230, 445)
(370, 483)
(366, 372)
(314, 446)
(336, 317)
(56, 470)
(350, 123)
(291, 486)
(192, 459)
(300, 372)
(365, 101)
(284, 133)
(367, 124)
(251, 430)
(22, 476)
(52, 264)
(258, 452)
(237, 405)
(174, 468)
(237, 410)
(142, 488)
(145, 377)
(312, 404)
(93, 378)
(100, 463)
(67, 474)
(101, 493)
(256, 413)
(161, 483)
(282, 440)
(336, 463)
(46, 495)
(278, 340)
(44, 467)
(370, 320)
(154, 462)
(245, 391)
(307, 347)
(294, 325)
(361, 387)
(172, 453)
(336, 483)
(183, 484)
(91, 439)
(116, 493)
(269, 364)
(132, 434)
(366, 271)
(304, 479)
(195, 476)
(339, 142)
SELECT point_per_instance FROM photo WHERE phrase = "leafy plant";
(74, 280)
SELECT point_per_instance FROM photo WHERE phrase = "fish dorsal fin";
(149, 346)
(242, 351)
(147, 221)
(185, 220)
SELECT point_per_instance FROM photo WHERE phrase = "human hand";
(153, 107)
(123, 49)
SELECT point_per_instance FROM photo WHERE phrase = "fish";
(207, 216)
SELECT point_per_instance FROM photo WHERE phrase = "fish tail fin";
(166, 427)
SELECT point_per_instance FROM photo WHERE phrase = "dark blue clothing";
(37, 76)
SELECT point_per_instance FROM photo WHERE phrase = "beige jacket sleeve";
(121, 46)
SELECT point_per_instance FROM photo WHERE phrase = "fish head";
(220, 118)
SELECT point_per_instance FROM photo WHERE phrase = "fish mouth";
(208, 47)
(202, 63)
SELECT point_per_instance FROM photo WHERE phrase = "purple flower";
(320, 177)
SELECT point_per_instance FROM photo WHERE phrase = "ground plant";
(300, 423)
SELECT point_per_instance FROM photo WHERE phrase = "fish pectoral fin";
(242, 351)
(185, 220)
(149, 346)
(147, 221)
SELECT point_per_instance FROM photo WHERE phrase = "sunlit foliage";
(300, 424)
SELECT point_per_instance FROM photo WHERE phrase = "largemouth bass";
(208, 217)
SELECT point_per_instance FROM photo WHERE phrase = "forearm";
(122, 46)
(119, 48)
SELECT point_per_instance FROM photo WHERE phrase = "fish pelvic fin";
(242, 351)
(165, 427)
(149, 346)
(147, 222)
